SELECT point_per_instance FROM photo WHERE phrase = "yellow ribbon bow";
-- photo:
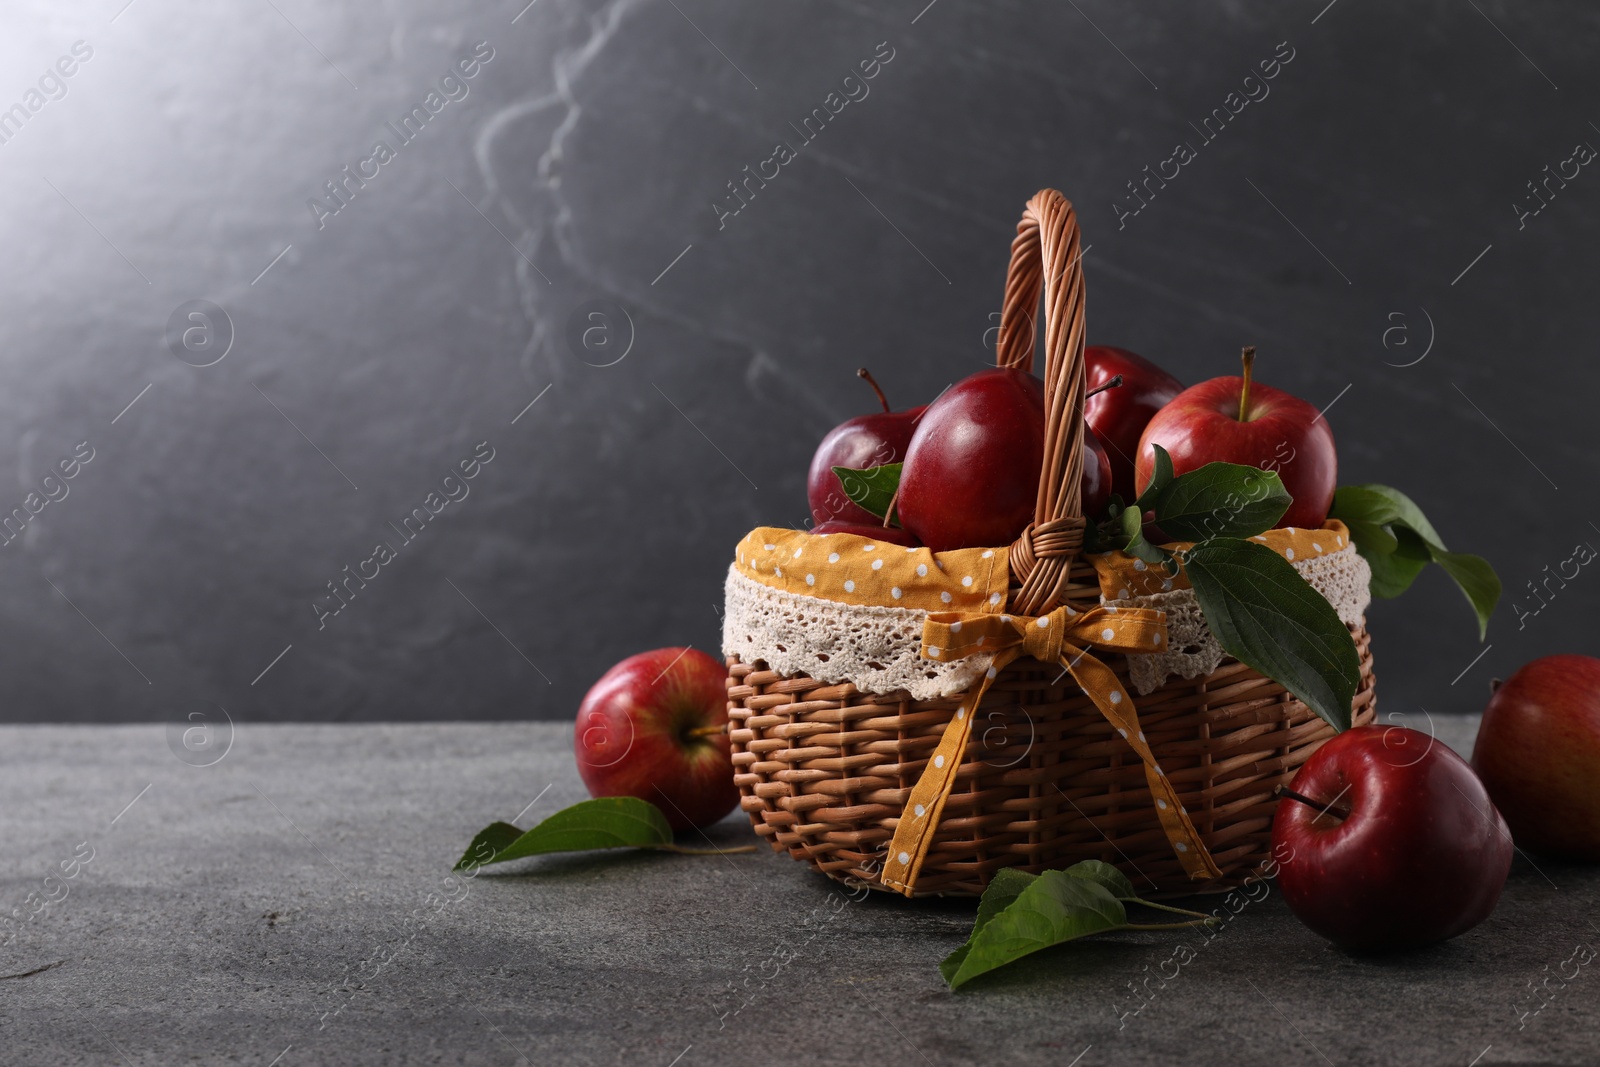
(1052, 638)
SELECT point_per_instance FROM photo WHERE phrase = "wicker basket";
(824, 770)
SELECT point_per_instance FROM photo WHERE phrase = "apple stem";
(1248, 358)
(870, 380)
(1494, 684)
(706, 731)
(1168, 907)
(1340, 813)
(1209, 920)
(1116, 380)
(888, 512)
(684, 850)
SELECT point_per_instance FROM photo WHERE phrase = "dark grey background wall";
(1360, 224)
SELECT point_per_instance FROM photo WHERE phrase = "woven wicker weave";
(824, 770)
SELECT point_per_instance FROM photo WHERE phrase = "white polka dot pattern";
(858, 570)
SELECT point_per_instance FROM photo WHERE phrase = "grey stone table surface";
(292, 904)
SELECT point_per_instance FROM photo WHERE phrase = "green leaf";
(1220, 500)
(1075, 912)
(1009, 883)
(1393, 573)
(1006, 885)
(1049, 910)
(1397, 540)
(1266, 615)
(605, 822)
(1381, 504)
(491, 839)
(1476, 579)
(1160, 478)
(1094, 538)
(872, 488)
(1098, 871)
(1131, 527)
(1373, 539)
(1128, 522)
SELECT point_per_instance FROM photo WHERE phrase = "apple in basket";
(971, 476)
(1237, 421)
(1098, 482)
(1392, 842)
(1538, 751)
(874, 529)
(654, 727)
(1118, 416)
(864, 441)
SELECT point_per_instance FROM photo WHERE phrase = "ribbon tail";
(913, 836)
(1103, 687)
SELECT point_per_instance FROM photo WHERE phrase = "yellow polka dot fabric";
(862, 571)
(1122, 576)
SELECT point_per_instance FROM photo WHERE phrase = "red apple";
(1118, 416)
(653, 727)
(971, 474)
(1389, 842)
(1096, 486)
(1538, 752)
(1237, 421)
(864, 441)
(875, 530)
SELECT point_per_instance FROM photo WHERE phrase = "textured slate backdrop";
(1330, 224)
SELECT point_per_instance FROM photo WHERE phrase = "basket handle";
(1045, 256)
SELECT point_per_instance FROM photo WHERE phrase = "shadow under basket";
(824, 772)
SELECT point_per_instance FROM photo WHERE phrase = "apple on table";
(655, 727)
(1538, 752)
(1387, 840)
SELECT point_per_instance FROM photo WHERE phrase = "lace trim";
(878, 649)
(1341, 577)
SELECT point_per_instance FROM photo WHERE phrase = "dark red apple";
(1237, 421)
(875, 530)
(864, 441)
(653, 727)
(1118, 416)
(1391, 842)
(971, 474)
(1538, 752)
(1097, 477)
